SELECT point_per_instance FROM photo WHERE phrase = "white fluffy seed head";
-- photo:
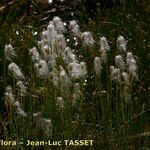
(103, 56)
(9, 95)
(74, 28)
(126, 78)
(46, 52)
(35, 56)
(87, 38)
(97, 66)
(131, 65)
(60, 41)
(69, 56)
(104, 44)
(64, 83)
(63, 76)
(75, 70)
(59, 25)
(22, 87)
(9, 52)
(115, 73)
(130, 58)
(51, 32)
(15, 71)
(41, 68)
(120, 62)
(44, 35)
(130, 55)
(20, 111)
(121, 43)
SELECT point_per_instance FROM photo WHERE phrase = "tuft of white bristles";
(104, 48)
(15, 71)
(97, 66)
(60, 41)
(22, 87)
(64, 82)
(131, 65)
(104, 44)
(75, 70)
(74, 28)
(122, 43)
(59, 25)
(87, 38)
(41, 68)
(9, 52)
(120, 62)
(126, 78)
(20, 111)
(46, 51)
(9, 95)
(35, 56)
(115, 73)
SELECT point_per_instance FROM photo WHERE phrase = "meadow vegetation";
(64, 75)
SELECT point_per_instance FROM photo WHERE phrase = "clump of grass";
(75, 85)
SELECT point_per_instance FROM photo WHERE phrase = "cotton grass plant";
(72, 91)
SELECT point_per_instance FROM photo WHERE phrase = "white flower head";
(115, 73)
(69, 56)
(64, 82)
(15, 71)
(42, 68)
(60, 41)
(121, 43)
(9, 95)
(20, 111)
(103, 56)
(46, 51)
(97, 66)
(104, 44)
(75, 70)
(59, 25)
(74, 28)
(130, 58)
(35, 56)
(126, 78)
(44, 34)
(131, 65)
(51, 32)
(120, 62)
(22, 87)
(9, 52)
(87, 38)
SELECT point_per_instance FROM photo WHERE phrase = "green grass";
(101, 114)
